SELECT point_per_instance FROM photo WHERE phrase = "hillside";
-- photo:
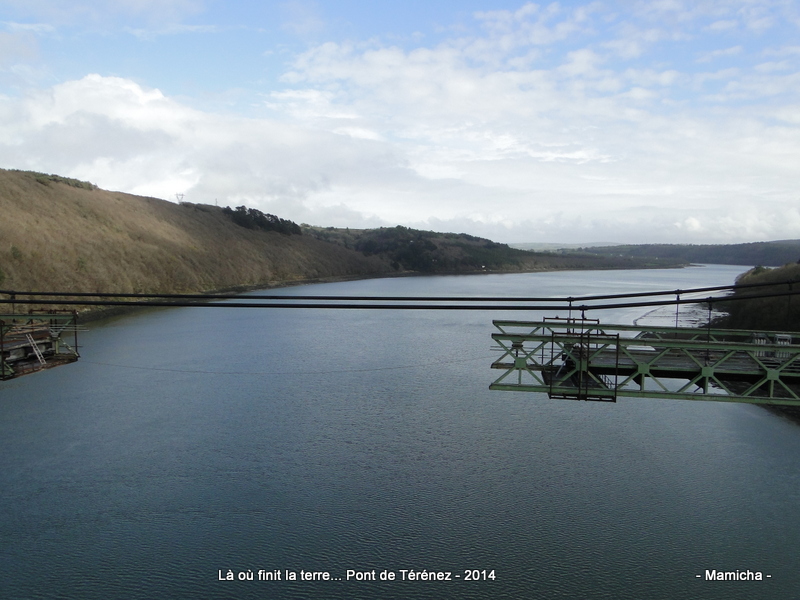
(767, 314)
(768, 254)
(776, 314)
(421, 251)
(62, 234)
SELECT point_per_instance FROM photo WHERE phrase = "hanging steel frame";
(584, 360)
(35, 341)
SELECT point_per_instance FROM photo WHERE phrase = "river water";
(187, 443)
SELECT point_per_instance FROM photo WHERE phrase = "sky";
(662, 121)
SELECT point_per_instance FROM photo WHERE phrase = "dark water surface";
(192, 441)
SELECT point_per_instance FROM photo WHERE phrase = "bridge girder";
(584, 360)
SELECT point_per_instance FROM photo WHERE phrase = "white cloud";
(169, 29)
(532, 24)
(302, 18)
(529, 139)
(757, 18)
(122, 136)
(783, 51)
(537, 128)
(723, 25)
(16, 47)
(37, 28)
(690, 224)
(715, 54)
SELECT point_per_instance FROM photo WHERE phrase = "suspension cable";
(380, 302)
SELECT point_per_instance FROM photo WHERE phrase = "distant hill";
(768, 254)
(432, 252)
(554, 247)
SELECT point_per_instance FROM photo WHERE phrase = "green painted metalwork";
(6, 372)
(585, 360)
(35, 341)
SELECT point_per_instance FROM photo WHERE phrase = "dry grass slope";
(57, 236)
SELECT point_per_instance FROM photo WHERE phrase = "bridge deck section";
(585, 360)
(36, 341)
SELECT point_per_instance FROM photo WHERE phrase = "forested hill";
(422, 251)
(781, 313)
(768, 254)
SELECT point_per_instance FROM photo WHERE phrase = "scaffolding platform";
(37, 340)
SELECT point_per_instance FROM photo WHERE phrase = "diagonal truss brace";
(580, 359)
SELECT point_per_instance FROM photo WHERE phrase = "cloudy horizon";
(632, 122)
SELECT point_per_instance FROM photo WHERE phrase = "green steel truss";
(584, 360)
(35, 341)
